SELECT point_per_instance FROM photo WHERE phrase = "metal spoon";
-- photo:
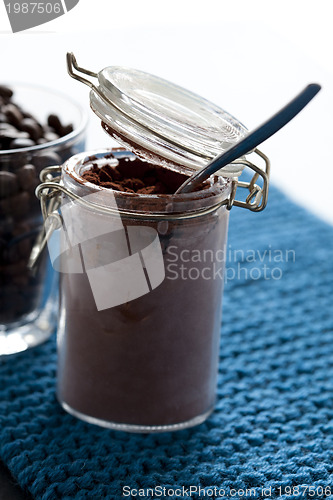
(252, 139)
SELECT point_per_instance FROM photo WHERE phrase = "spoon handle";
(254, 138)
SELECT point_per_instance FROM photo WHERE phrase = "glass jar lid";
(163, 122)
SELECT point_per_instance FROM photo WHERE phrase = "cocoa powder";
(135, 176)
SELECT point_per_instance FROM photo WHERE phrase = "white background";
(248, 56)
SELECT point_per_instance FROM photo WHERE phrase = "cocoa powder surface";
(134, 176)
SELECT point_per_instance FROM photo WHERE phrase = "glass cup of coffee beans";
(38, 128)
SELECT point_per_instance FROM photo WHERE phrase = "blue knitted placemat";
(273, 424)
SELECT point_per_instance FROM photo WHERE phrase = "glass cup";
(28, 297)
(139, 323)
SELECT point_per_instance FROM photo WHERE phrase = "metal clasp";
(256, 200)
(72, 64)
(50, 202)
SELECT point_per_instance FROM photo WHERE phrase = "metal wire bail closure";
(51, 187)
(256, 200)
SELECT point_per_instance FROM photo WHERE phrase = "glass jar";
(142, 274)
(138, 346)
(28, 297)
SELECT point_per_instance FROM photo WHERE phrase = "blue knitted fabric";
(273, 424)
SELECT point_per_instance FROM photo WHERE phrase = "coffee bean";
(31, 190)
(23, 237)
(8, 184)
(17, 205)
(66, 130)
(54, 122)
(26, 176)
(30, 126)
(41, 141)
(51, 136)
(21, 142)
(47, 159)
(5, 92)
(27, 115)
(66, 153)
(19, 159)
(13, 114)
(7, 127)
(7, 136)
(46, 128)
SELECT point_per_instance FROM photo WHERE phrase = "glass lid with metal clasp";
(168, 125)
